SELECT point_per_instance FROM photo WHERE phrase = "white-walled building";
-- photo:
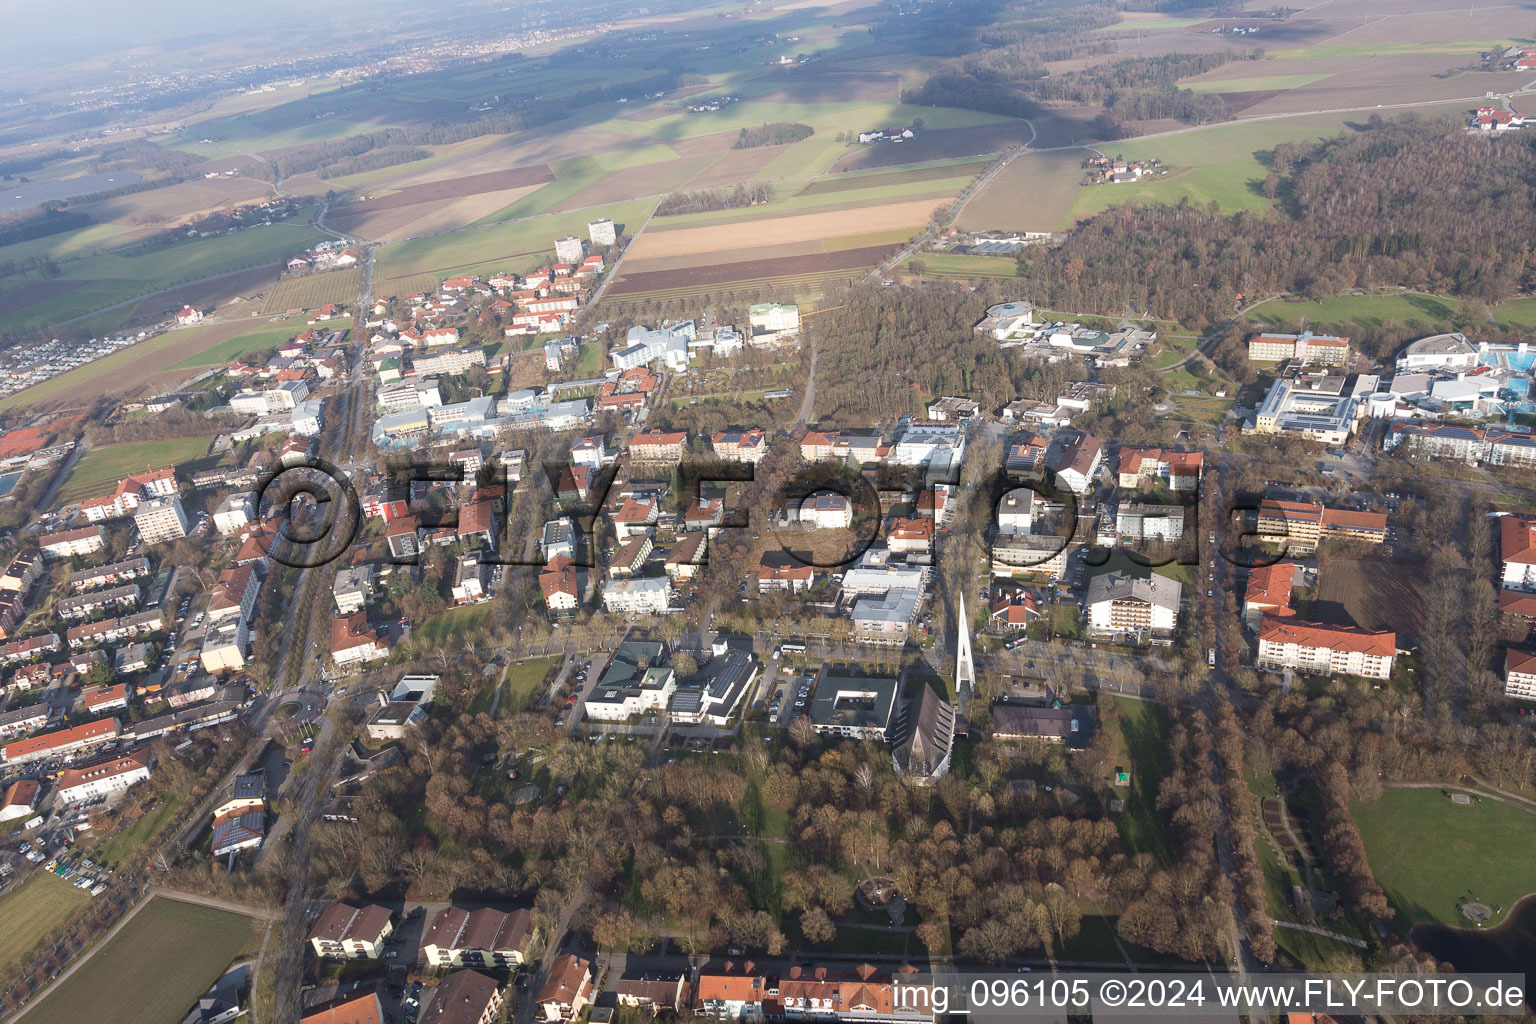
(1288, 643)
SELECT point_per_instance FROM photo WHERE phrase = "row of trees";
(713, 199)
(778, 133)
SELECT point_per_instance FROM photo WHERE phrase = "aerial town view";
(840, 511)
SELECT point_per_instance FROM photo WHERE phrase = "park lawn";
(266, 336)
(101, 468)
(152, 970)
(1409, 309)
(127, 274)
(589, 360)
(33, 911)
(1144, 732)
(512, 245)
(523, 681)
(1516, 313)
(453, 622)
(1427, 853)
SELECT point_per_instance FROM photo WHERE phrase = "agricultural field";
(1035, 192)
(1372, 593)
(311, 291)
(516, 245)
(100, 468)
(153, 970)
(93, 283)
(34, 910)
(778, 230)
(880, 179)
(1428, 853)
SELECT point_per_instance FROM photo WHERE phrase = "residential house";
(485, 938)
(94, 781)
(464, 997)
(1289, 643)
(1118, 602)
(1079, 463)
(567, 990)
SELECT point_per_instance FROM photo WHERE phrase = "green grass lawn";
(100, 468)
(961, 265)
(1429, 312)
(523, 681)
(152, 970)
(589, 360)
(452, 622)
(1144, 732)
(265, 336)
(1215, 164)
(32, 912)
(1427, 852)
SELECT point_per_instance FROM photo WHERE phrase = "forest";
(1411, 203)
(712, 199)
(779, 133)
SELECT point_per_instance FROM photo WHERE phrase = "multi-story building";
(1028, 554)
(496, 939)
(567, 991)
(1138, 521)
(94, 781)
(69, 543)
(858, 707)
(1304, 524)
(161, 519)
(1119, 602)
(826, 511)
(1179, 470)
(1494, 445)
(1268, 592)
(61, 742)
(1305, 347)
(569, 249)
(344, 932)
(1289, 643)
(560, 583)
(464, 997)
(1520, 674)
(650, 596)
(602, 232)
(154, 483)
(1079, 463)
(777, 570)
(658, 447)
(740, 445)
(1312, 414)
(1517, 549)
(773, 323)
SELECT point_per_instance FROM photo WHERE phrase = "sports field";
(1427, 853)
(33, 911)
(153, 970)
(100, 468)
(962, 266)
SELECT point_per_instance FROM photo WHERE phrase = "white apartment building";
(1288, 643)
(161, 519)
(650, 596)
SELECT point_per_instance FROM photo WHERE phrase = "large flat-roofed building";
(1305, 347)
(1029, 555)
(1313, 647)
(1438, 351)
(859, 707)
(1315, 415)
(1138, 521)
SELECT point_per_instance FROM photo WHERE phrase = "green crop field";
(100, 468)
(1261, 83)
(1427, 853)
(33, 911)
(877, 179)
(127, 274)
(152, 970)
(314, 290)
(516, 246)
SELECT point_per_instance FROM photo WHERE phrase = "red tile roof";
(1382, 644)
